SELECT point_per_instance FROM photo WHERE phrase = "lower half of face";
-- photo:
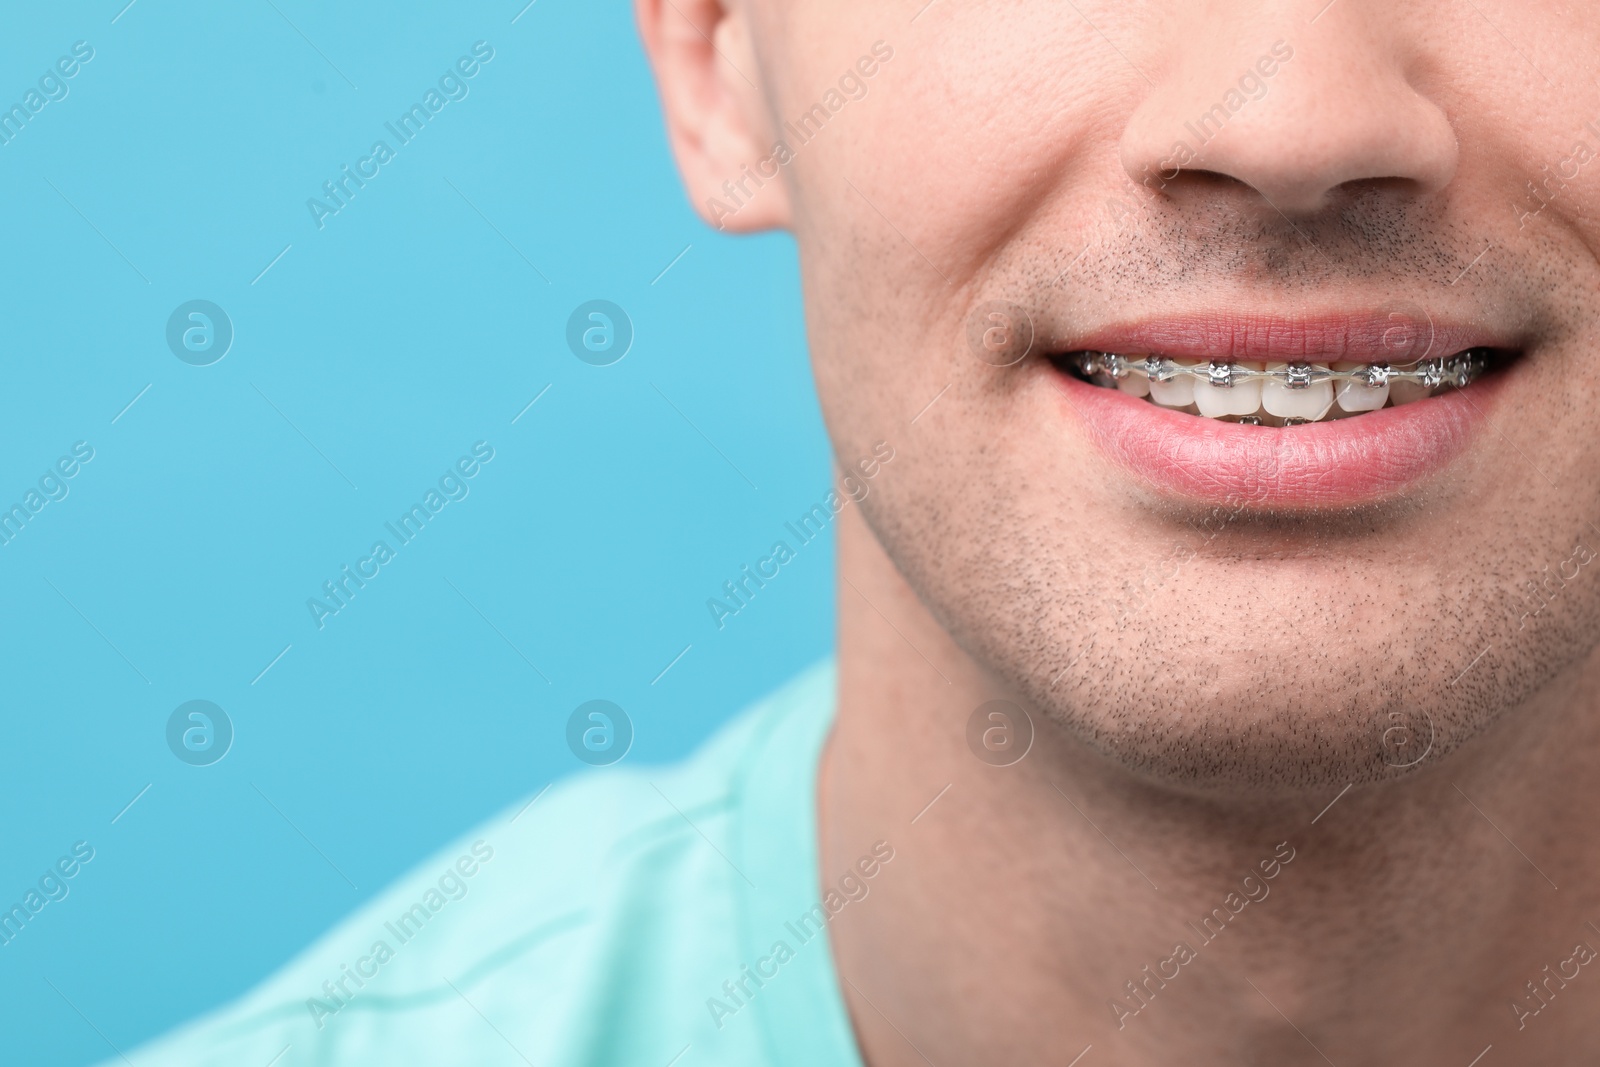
(1264, 450)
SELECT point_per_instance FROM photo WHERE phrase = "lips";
(1401, 335)
(1367, 453)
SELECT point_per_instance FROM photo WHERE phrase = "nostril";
(1197, 176)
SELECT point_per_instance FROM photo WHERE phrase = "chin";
(1266, 728)
(1255, 662)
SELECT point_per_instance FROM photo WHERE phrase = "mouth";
(1275, 394)
(1329, 412)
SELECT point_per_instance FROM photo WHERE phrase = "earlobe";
(706, 72)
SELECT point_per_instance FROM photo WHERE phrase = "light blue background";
(393, 339)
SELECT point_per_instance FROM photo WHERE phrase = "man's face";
(1206, 601)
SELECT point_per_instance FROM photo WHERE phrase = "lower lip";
(1341, 463)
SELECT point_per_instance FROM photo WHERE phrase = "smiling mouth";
(1306, 412)
(1262, 393)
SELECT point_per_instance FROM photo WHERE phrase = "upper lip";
(1390, 335)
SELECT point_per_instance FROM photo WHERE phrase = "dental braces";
(1458, 371)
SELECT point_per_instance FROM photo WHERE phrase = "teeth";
(1279, 394)
(1175, 392)
(1354, 395)
(1288, 397)
(1401, 392)
(1221, 393)
(1134, 384)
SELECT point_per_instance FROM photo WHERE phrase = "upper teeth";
(1293, 392)
(1294, 395)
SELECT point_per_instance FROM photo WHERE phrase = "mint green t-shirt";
(624, 917)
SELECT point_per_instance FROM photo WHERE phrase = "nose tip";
(1293, 125)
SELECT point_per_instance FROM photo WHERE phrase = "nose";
(1294, 111)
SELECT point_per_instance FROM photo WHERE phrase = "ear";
(706, 72)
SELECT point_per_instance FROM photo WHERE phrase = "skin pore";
(1204, 678)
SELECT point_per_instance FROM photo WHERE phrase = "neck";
(1060, 902)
